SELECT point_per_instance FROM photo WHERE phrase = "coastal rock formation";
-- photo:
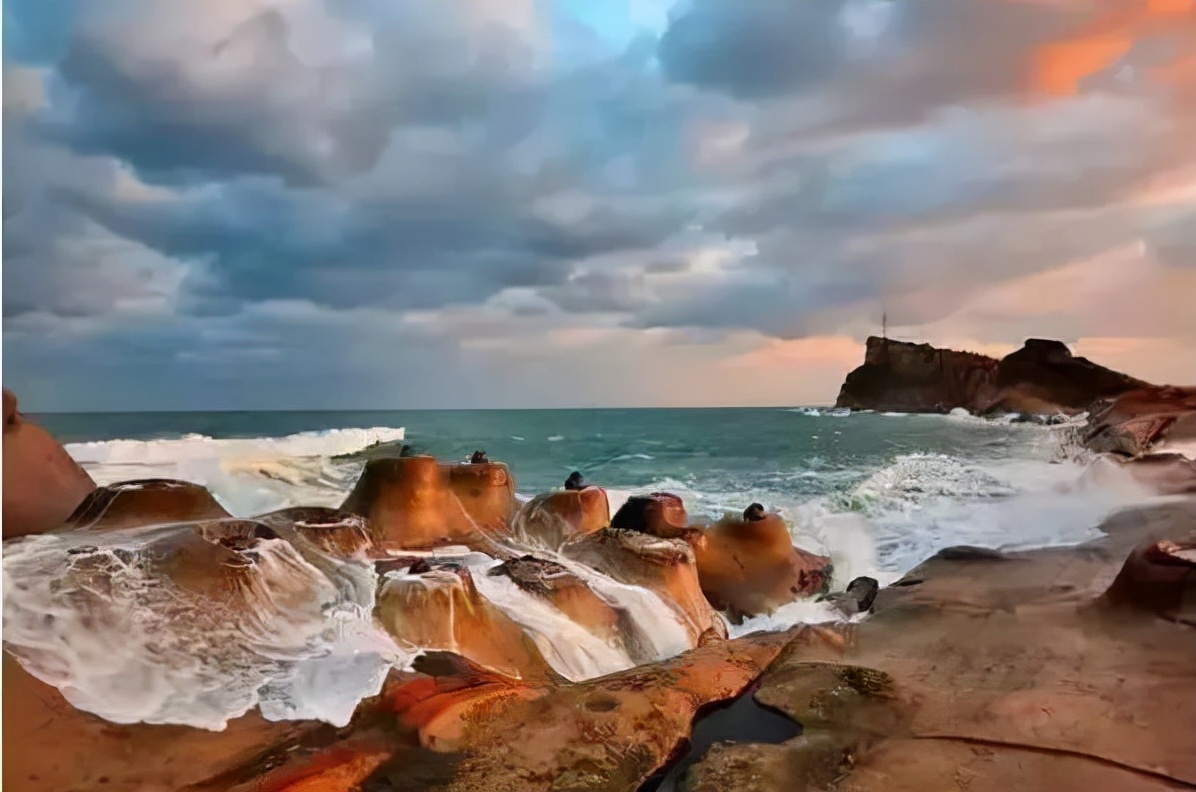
(659, 514)
(419, 503)
(435, 605)
(144, 502)
(1140, 420)
(551, 519)
(749, 566)
(336, 533)
(42, 484)
(1067, 668)
(666, 567)
(566, 592)
(1043, 377)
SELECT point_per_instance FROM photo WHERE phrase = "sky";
(401, 204)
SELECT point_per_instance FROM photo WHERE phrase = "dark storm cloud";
(752, 48)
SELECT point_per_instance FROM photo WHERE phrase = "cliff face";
(1042, 377)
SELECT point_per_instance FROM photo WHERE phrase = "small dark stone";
(479, 458)
(576, 481)
(754, 513)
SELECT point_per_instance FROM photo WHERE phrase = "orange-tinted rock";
(435, 605)
(49, 746)
(42, 484)
(995, 671)
(663, 566)
(553, 518)
(486, 491)
(566, 592)
(750, 567)
(145, 502)
(660, 514)
(337, 533)
(609, 733)
(417, 503)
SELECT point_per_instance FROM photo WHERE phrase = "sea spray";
(121, 638)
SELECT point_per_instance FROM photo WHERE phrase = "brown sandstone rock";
(750, 567)
(436, 605)
(566, 592)
(982, 670)
(664, 566)
(659, 514)
(337, 533)
(553, 518)
(42, 484)
(145, 502)
(417, 503)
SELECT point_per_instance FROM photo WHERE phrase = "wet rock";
(610, 733)
(144, 502)
(417, 503)
(50, 746)
(664, 566)
(551, 519)
(1142, 420)
(749, 567)
(1023, 657)
(566, 592)
(435, 605)
(337, 533)
(659, 514)
(858, 597)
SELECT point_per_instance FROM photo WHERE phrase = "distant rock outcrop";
(1043, 378)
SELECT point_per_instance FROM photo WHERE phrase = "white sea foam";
(569, 648)
(246, 475)
(124, 640)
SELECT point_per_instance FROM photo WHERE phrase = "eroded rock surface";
(1063, 669)
(749, 566)
(144, 502)
(419, 503)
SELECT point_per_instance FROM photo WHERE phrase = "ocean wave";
(329, 442)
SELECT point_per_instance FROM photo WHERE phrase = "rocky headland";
(1062, 669)
(1150, 427)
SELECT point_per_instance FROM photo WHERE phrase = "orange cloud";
(1058, 68)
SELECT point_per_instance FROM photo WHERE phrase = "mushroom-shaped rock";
(663, 566)
(435, 605)
(553, 518)
(567, 593)
(338, 533)
(659, 514)
(145, 502)
(417, 503)
(485, 492)
(748, 567)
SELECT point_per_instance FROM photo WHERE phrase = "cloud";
(502, 200)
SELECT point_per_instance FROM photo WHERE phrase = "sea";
(884, 489)
(878, 493)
